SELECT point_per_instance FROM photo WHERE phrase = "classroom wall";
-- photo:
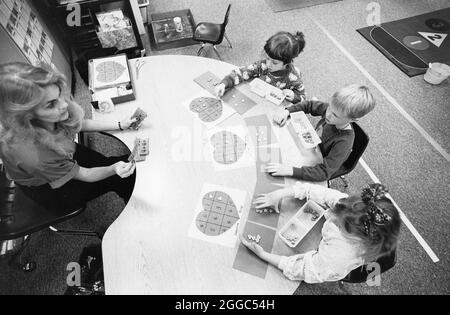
(9, 52)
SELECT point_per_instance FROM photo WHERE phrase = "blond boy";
(335, 130)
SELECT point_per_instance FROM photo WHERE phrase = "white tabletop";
(147, 249)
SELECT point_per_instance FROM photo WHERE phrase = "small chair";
(20, 217)
(361, 274)
(211, 33)
(359, 146)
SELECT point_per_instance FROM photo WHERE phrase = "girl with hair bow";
(358, 230)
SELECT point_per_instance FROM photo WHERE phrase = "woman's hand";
(128, 122)
(123, 169)
(219, 90)
(281, 117)
(289, 94)
(277, 169)
(270, 200)
(254, 247)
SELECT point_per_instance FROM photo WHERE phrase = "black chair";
(20, 217)
(359, 146)
(211, 33)
(361, 274)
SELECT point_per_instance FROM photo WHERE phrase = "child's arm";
(296, 85)
(244, 74)
(331, 163)
(315, 108)
(333, 261)
(299, 92)
(325, 197)
(260, 252)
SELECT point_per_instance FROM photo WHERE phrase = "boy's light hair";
(354, 100)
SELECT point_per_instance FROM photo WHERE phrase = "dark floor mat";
(412, 43)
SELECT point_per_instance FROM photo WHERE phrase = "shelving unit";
(84, 39)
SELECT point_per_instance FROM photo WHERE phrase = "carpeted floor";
(398, 154)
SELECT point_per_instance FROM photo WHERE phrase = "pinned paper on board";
(217, 215)
(25, 29)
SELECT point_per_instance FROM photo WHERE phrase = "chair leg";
(217, 53)
(77, 232)
(344, 180)
(201, 49)
(228, 40)
(15, 261)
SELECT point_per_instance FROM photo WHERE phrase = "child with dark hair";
(277, 69)
(358, 230)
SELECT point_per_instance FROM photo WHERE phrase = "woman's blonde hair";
(22, 90)
(375, 223)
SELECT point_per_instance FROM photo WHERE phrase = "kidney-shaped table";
(147, 249)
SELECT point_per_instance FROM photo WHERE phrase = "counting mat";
(246, 260)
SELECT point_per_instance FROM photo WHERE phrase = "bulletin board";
(22, 25)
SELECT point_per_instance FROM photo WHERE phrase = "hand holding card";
(140, 116)
(140, 150)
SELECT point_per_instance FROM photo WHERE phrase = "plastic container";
(270, 92)
(305, 131)
(437, 73)
(301, 223)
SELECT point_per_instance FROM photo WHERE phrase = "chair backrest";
(20, 216)
(361, 274)
(225, 20)
(359, 146)
(224, 24)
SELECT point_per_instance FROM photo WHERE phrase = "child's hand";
(289, 94)
(254, 247)
(220, 90)
(123, 169)
(281, 116)
(126, 123)
(271, 200)
(277, 169)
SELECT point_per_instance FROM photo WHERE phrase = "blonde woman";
(37, 130)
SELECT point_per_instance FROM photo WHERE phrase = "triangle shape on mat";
(435, 38)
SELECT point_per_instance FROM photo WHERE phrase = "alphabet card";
(230, 148)
(217, 215)
(207, 109)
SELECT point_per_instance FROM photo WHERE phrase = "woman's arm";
(96, 174)
(89, 125)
